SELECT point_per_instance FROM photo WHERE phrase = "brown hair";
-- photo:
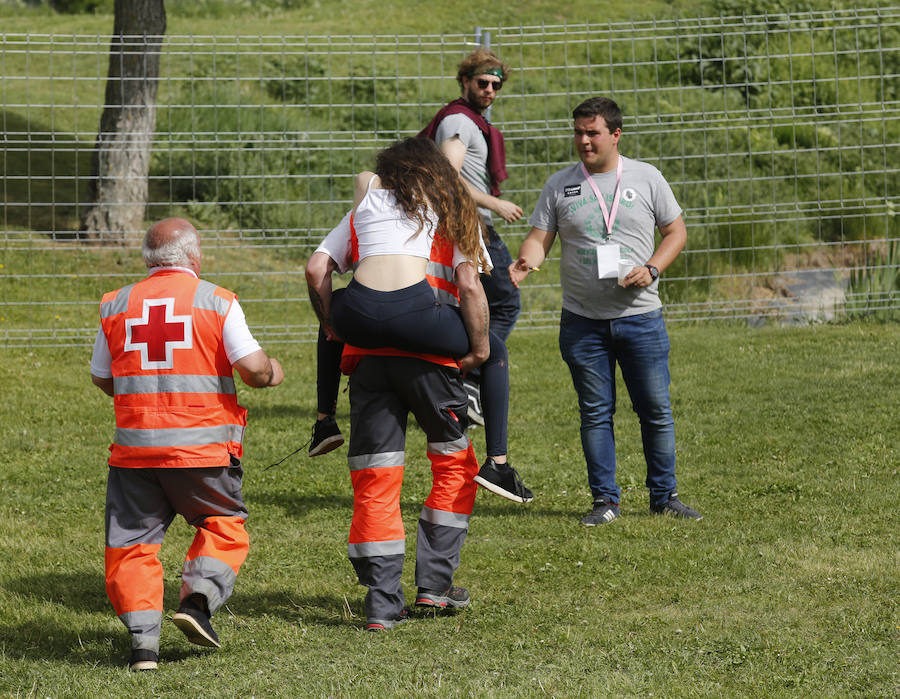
(602, 107)
(421, 177)
(478, 62)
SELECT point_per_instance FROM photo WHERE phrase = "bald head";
(172, 242)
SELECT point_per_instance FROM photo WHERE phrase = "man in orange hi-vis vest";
(166, 351)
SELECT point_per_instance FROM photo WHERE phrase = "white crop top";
(383, 228)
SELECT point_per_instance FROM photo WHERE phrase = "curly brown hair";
(478, 62)
(421, 177)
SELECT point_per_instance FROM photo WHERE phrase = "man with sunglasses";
(476, 149)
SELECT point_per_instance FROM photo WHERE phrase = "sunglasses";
(483, 84)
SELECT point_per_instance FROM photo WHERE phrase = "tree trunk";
(121, 160)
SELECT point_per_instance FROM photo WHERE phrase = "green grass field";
(788, 444)
(788, 587)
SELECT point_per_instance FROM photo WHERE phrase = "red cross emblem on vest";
(157, 333)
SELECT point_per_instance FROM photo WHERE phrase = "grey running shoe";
(192, 618)
(454, 598)
(142, 659)
(675, 508)
(326, 436)
(387, 624)
(473, 392)
(503, 480)
(604, 512)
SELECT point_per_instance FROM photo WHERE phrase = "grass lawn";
(788, 587)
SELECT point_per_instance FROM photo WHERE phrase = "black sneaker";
(675, 508)
(473, 392)
(503, 480)
(387, 624)
(326, 436)
(454, 598)
(192, 618)
(604, 512)
(142, 659)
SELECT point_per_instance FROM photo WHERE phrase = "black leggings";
(410, 319)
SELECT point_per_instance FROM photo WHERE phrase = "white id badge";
(608, 261)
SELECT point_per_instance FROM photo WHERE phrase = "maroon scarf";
(496, 162)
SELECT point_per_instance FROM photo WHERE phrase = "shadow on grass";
(487, 505)
(82, 591)
(46, 635)
(43, 638)
(323, 610)
(46, 176)
(295, 505)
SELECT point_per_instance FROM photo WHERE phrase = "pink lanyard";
(608, 217)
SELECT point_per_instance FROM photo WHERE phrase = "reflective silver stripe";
(205, 298)
(445, 297)
(436, 269)
(209, 576)
(444, 518)
(175, 437)
(147, 641)
(367, 549)
(173, 383)
(447, 448)
(145, 626)
(145, 617)
(385, 459)
(118, 305)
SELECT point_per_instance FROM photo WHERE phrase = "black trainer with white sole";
(503, 480)
(193, 620)
(326, 436)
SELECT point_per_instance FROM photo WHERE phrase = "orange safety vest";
(174, 393)
(439, 273)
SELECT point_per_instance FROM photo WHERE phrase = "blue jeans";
(504, 301)
(640, 346)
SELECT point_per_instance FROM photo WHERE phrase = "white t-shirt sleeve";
(337, 244)
(459, 258)
(236, 336)
(101, 359)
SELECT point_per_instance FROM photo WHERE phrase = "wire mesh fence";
(779, 134)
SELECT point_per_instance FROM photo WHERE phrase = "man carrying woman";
(414, 238)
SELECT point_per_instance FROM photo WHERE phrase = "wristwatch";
(654, 273)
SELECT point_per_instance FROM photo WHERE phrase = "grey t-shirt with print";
(568, 207)
(474, 169)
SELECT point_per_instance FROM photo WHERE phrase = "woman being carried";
(413, 197)
(413, 229)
